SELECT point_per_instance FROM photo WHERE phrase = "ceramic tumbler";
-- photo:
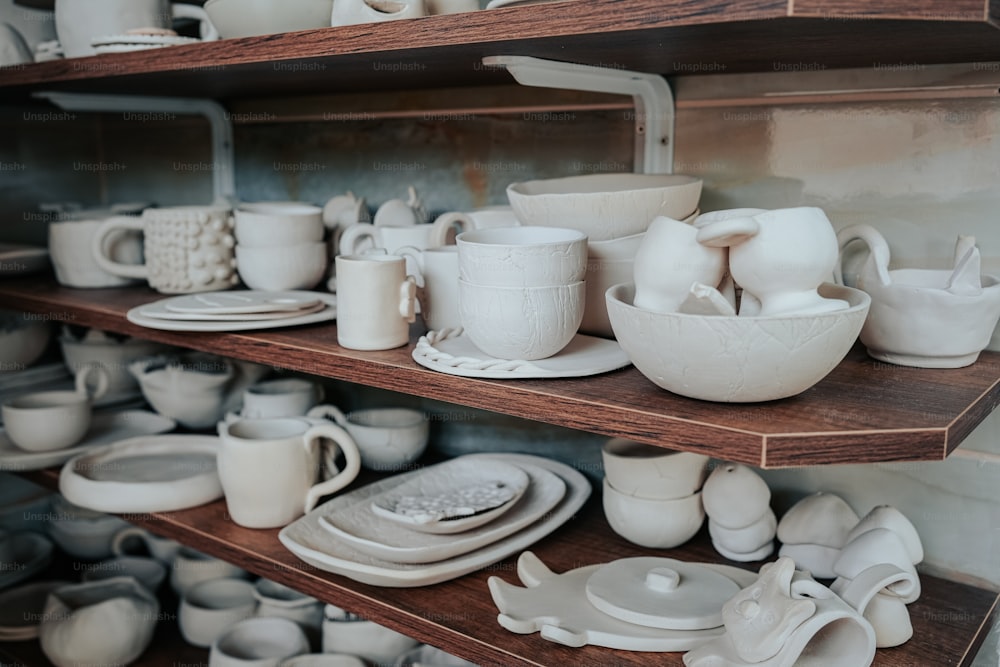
(376, 301)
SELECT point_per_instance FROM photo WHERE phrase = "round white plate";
(136, 316)
(449, 351)
(156, 473)
(105, 428)
(242, 317)
(236, 302)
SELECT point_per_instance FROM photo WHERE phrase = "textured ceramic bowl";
(657, 524)
(604, 206)
(286, 267)
(522, 256)
(736, 359)
(747, 539)
(652, 472)
(602, 274)
(22, 341)
(245, 18)
(521, 322)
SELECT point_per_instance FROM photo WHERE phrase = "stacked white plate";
(138, 42)
(440, 522)
(236, 310)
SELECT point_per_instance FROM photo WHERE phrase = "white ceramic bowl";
(272, 224)
(657, 524)
(602, 274)
(284, 267)
(747, 539)
(22, 341)
(47, 420)
(366, 639)
(261, 642)
(191, 567)
(522, 256)
(652, 472)
(80, 532)
(388, 438)
(521, 322)
(736, 359)
(245, 18)
(604, 206)
(211, 607)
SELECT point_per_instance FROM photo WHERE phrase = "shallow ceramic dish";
(223, 317)
(450, 351)
(21, 610)
(238, 302)
(604, 206)
(736, 359)
(149, 315)
(359, 527)
(105, 428)
(308, 540)
(158, 473)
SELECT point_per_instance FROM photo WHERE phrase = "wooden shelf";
(673, 37)
(950, 620)
(863, 412)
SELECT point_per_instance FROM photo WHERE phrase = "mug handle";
(354, 234)
(327, 411)
(408, 299)
(98, 248)
(119, 538)
(416, 254)
(83, 379)
(206, 29)
(352, 464)
(445, 223)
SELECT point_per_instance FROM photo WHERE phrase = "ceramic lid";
(661, 593)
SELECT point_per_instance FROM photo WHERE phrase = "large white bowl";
(736, 359)
(604, 206)
(245, 18)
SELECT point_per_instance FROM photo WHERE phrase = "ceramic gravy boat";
(927, 318)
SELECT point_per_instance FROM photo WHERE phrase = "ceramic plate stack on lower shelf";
(237, 310)
(437, 523)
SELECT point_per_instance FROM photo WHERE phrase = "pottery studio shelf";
(950, 620)
(863, 412)
(661, 36)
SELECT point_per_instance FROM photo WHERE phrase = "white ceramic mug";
(268, 468)
(187, 248)
(282, 397)
(376, 301)
(438, 278)
(258, 642)
(80, 21)
(73, 261)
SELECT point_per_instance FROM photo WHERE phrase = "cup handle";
(119, 538)
(327, 411)
(877, 246)
(98, 248)
(408, 299)
(445, 223)
(206, 29)
(352, 464)
(416, 254)
(355, 234)
(82, 383)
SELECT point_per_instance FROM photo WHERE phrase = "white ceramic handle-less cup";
(376, 302)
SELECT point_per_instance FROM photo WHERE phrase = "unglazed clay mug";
(283, 397)
(187, 248)
(74, 264)
(268, 468)
(376, 301)
(438, 293)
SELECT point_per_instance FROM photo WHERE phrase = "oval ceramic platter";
(359, 526)
(449, 351)
(158, 473)
(310, 541)
(105, 428)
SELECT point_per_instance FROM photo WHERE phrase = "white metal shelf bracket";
(653, 99)
(223, 179)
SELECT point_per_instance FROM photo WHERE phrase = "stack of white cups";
(740, 519)
(279, 245)
(521, 289)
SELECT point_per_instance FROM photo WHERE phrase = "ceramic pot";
(647, 471)
(113, 354)
(80, 532)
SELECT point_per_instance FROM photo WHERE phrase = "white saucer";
(160, 314)
(151, 473)
(17, 259)
(236, 302)
(32, 554)
(105, 428)
(151, 315)
(21, 610)
(451, 352)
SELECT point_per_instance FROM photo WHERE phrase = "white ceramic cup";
(281, 397)
(211, 607)
(186, 248)
(280, 601)
(376, 301)
(269, 467)
(272, 224)
(522, 256)
(73, 261)
(282, 267)
(258, 642)
(366, 639)
(388, 438)
(437, 273)
(191, 567)
(80, 21)
(521, 322)
(647, 471)
(48, 420)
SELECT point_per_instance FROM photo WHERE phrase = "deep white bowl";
(736, 359)
(604, 206)
(657, 524)
(245, 18)
(281, 268)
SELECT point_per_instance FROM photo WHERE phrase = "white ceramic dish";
(137, 316)
(159, 473)
(237, 302)
(142, 41)
(308, 540)
(445, 478)
(449, 351)
(497, 4)
(223, 317)
(21, 610)
(363, 530)
(17, 259)
(32, 553)
(105, 428)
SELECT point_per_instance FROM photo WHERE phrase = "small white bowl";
(652, 472)
(80, 532)
(657, 524)
(744, 540)
(286, 267)
(273, 224)
(604, 206)
(363, 638)
(263, 641)
(736, 359)
(210, 607)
